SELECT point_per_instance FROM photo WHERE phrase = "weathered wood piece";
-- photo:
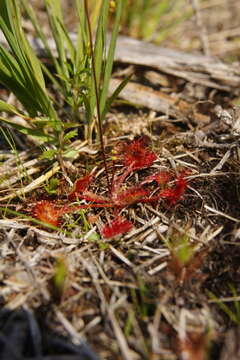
(200, 69)
(158, 101)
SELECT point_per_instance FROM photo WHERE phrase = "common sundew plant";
(129, 157)
(80, 72)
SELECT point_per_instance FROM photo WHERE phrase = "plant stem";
(97, 95)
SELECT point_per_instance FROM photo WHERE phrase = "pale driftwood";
(199, 69)
(158, 101)
(196, 69)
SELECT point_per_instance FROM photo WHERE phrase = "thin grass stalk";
(110, 57)
(97, 95)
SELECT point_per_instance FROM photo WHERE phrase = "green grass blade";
(224, 308)
(38, 134)
(21, 71)
(55, 18)
(110, 56)
(68, 42)
(100, 40)
(12, 78)
(82, 37)
(12, 29)
(99, 49)
(115, 94)
(9, 109)
(150, 17)
(31, 14)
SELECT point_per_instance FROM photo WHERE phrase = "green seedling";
(103, 245)
(181, 248)
(185, 261)
(58, 281)
(94, 237)
(52, 186)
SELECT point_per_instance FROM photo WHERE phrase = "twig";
(201, 28)
(218, 212)
(34, 184)
(158, 268)
(222, 161)
(35, 281)
(118, 254)
(126, 353)
(76, 338)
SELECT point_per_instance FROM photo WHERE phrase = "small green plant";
(81, 73)
(52, 186)
(181, 247)
(58, 281)
(186, 260)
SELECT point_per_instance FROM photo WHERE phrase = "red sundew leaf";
(83, 183)
(79, 186)
(136, 154)
(116, 227)
(89, 196)
(181, 184)
(47, 212)
(170, 195)
(175, 194)
(130, 196)
(162, 178)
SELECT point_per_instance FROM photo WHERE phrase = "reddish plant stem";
(97, 95)
(86, 206)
